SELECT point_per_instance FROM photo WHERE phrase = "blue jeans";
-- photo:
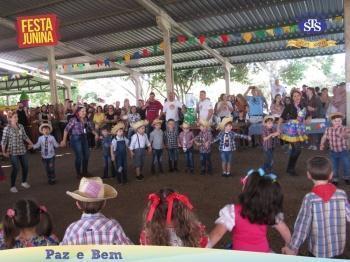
(107, 164)
(173, 154)
(205, 162)
(121, 167)
(268, 156)
(189, 158)
(24, 163)
(157, 156)
(49, 164)
(338, 157)
(226, 156)
(81, 150)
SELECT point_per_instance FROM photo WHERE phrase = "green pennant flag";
(294, 28)
(192, 40)
(215, 37)
(260, 34)
(155, 49)
(119, 60)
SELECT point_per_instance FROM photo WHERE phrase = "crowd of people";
(155, 127)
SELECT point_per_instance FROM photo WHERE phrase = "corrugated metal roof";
(115, 27)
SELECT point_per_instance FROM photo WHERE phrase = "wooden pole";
(227, 70)
(347, 57)
(52, 74)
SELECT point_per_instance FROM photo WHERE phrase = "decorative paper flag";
(65, 67)
(224, 38)
(162, 45)
(270, 32)
(127, 57)
(201, 39)
(136, 55)
(99, 62)
(192, 40)
(299, 43)
(278, 31)
(260, 34)
(5, 78)
(107, 62)
(155, 49)
(145, 52)
(338, 19)
(81, 66)
(286, 29)
(215, 37)
(247, 37)
(119, 60)
(181, 39)
(294, 28)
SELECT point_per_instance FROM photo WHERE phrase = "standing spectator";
(140, 109)
(224, 107)
(111, 117)
(277, 106)
(90, 117)
(77, 128)
(256, 103)
(205, 108)
(313, 105)
(68, 109)
(61, 119)
(126, 106)
(241, 104)
(13, 146)
(117, 110)
(3, 122)
(98, 120)
(44, 117)
(277, 89)
(133, 117)
(153, 110)
(325, 102)
(23, 117)
(339, 100)
(171, 109)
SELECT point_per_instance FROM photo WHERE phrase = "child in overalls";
(139, 143)
(119, 152)
(106, 141)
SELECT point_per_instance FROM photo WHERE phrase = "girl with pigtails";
(169, 221)
(27, 225)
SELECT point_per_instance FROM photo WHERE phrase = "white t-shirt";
(139, 141)
(224, 109)
(171, 110)
(203, 108)
(277, 90)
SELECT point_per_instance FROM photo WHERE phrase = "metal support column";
(136, 79)
(165, 26)
(8, 100)
(227, 70)
(52, 74)
(68, 90)
(347, 57)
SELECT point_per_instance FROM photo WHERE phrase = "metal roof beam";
(158, 11)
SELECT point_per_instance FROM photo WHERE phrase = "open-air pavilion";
(117, 38)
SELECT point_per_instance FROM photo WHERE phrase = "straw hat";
(139, 124)
(204, 123)
(336, 115)
(45, 125)
(269, 117)
(224, 122)
(185, 125)
(157, 121)
(118, 126)
(92, 189)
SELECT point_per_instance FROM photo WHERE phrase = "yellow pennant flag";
(247, 37)
(127, 57)
(270, 32)
(161, 45)
(286, 29)
(338, 19)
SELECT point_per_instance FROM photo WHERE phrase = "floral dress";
(35, 241)
(294, 130)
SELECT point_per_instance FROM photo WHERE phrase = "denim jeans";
(338, 157)
(81, 150)
(226, 156)
(49, 164)
(121, 167)
(189, 158)
(107, 165)
(205, 162)
(157, 156)
(268, 156)
(173, 154)
(24, 163)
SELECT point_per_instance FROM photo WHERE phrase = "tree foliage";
(293, 72)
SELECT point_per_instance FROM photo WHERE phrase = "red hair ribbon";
(10, 213)
(154, 199)
(170, 199)
(43, 209)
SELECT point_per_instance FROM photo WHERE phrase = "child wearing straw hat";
(106, 142)
(118, 152)
(47, 143)
(337, 136)
(156, 139)
(203, 140)
(227, 145)
(269, 133)
(171, 137)
(139, 143)
(186, 138)
(94, 227)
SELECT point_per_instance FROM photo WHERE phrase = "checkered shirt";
(76, 127)
(14, 139)
(202, 138)
(269, 143)
(95, 229)
(171, 139)
(337, 142)
(232, 135)
(323, 224)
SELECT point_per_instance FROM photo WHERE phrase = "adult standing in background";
(277, 106)
(13, 146)
(111, 117)
(204, 107)
(140, 109)
(313, 106)
(23, 117)
(325, 102)
(171, 109)
(153, 110)
(224, 107)
(277, 89)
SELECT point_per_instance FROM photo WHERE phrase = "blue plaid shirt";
(232, 135)
(323, 224)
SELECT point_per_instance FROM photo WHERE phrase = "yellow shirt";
(99, 118)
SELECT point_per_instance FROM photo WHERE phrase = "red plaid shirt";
(269, 143)
(336, 138)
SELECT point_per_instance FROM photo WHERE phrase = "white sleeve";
(165, 107)
(37, 144)
(133, 142)
(227, 217)
(113, 144)
(148, 144)
(210, 105)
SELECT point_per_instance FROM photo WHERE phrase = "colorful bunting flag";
(260, 34)
(127, 58)
(181, 39)
(278, 31)
(107, 62)
(201, 39)
(155, 49)
(161, 45)
(192, 40)
(286, 29)
(247, 37)
(136, 55)
(145, 52)
(224, 38)
(99, 62)
(294, 28)
(270, 32)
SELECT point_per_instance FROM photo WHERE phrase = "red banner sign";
(39, 30)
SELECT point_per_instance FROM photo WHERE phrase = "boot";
(171, 169)
(291, 165)
(175, 166)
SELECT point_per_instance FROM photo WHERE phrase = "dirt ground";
(207, 193)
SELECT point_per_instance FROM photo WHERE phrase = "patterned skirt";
(293, 132)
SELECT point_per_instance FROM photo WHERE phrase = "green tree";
(293, 72)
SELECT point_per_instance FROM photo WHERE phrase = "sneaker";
(13, 190)
(25, 185)
(139, 178)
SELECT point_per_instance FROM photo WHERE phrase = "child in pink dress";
(259, 206)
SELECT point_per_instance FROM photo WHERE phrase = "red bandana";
(324, 191)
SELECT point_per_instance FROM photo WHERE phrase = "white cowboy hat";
(336, 115)
(45, 125)
(92, 189)
(139, 124)
(224, 122)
